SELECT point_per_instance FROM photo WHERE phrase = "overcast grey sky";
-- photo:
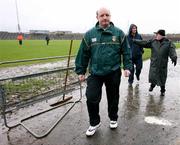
(80, 15)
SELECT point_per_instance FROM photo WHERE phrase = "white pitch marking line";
(157, 121)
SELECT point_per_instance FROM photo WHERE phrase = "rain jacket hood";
(136, 51)
(130, 29)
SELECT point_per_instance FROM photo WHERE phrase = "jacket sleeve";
(82, 58)
(142, 49)
(126, 52)
(172, 52)
(143, 43)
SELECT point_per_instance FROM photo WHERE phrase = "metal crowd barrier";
(44, 96)
(5, 106)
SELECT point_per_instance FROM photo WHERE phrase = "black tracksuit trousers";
(94, 92)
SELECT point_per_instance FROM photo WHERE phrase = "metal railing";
(35, 59)
(13, 87)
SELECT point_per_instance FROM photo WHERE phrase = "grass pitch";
(10, 50)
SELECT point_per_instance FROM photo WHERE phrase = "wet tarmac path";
(144, 118)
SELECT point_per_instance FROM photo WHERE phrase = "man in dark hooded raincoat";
(136, 54)
(161, 49)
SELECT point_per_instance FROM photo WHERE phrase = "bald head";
(102, 10)
(103, 16)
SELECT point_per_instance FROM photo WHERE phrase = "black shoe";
(151, 89)
(137, 77)
(162, 89)
(162, 93)
(130, 85)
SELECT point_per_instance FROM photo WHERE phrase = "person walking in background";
(101, 50)
(161, 49)
(20, 38)
(47, 39)
(136, 54)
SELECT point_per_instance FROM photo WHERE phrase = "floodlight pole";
(17, 14)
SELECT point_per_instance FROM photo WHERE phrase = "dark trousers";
(20, 42)
(94, 92)
(137, 62)
(162, 88)
(47, 42)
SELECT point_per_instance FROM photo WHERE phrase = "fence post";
(3, 103)
(1, 99)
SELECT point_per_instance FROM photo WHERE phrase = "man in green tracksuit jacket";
(101, 50)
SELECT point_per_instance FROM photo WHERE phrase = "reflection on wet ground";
(142, 118)
(154, 106)
(132, 102)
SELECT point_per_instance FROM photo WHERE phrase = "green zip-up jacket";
(101, 50)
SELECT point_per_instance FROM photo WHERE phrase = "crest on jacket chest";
(94, 39)
(113, 38)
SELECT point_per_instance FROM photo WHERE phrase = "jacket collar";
(107, 30)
